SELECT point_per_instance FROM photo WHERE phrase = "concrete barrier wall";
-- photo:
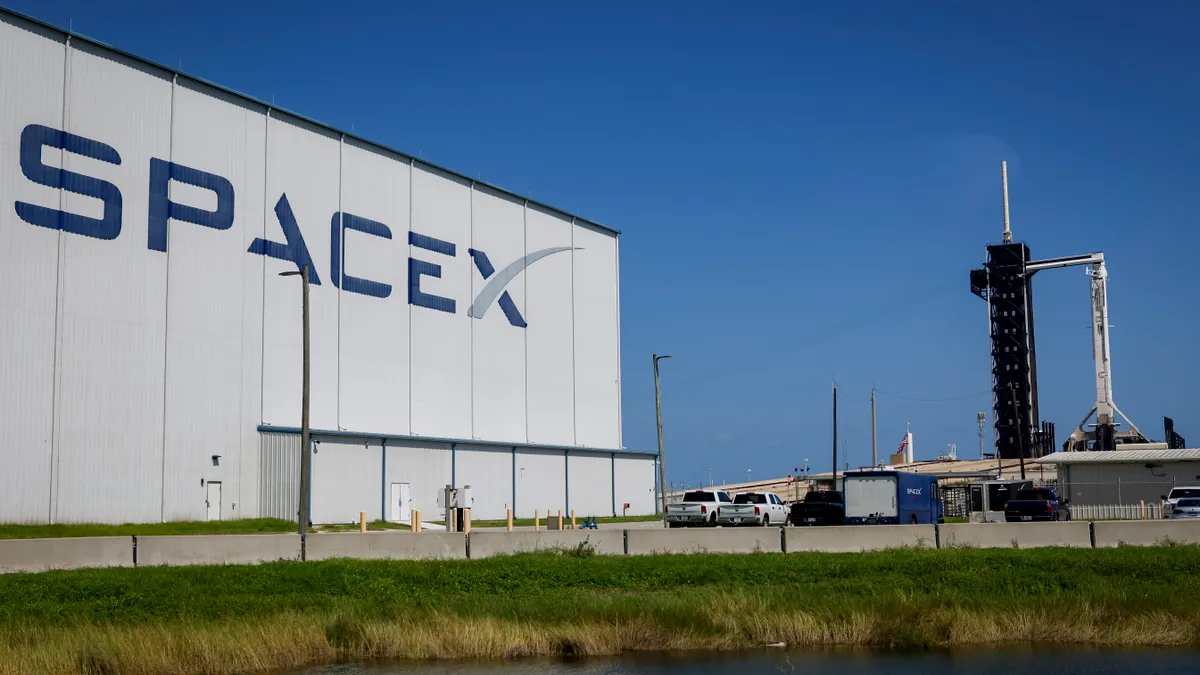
(1015, 535)
(705, 540)
(217, 549)
(1146, 533)
(67, 553)
(487, 544)
(854, 538)
(386, 545)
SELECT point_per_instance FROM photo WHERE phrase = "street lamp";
(747, 475)
(662, 464)
(305, 448)
(710, 484)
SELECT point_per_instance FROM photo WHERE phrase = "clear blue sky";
(802, 187)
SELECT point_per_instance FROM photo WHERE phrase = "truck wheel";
(766, 521)
(712, 522)
(912, 520)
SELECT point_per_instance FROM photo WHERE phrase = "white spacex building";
(150, 351)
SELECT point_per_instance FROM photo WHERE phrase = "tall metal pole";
(662, 461)
(874, 457)
(305, 445)
(1004, 187)
(835, 437)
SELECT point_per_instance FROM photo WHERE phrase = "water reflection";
(1007, 662)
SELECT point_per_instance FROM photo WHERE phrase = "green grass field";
(248, 526)
(281, 615)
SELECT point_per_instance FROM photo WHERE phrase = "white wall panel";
(426, 467)
(440, 352)
(541, 482)
(634, 482)
(597, 376)
(304, 165)
(207, 272)
(32, 64)
(498, 347)
(373, 379)
(346, 478)
(489, 472)
(254, 211)
(589, 477)
(549, 345)
(113, 300)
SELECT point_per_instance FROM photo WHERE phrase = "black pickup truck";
(820, 507)
(1033, 504)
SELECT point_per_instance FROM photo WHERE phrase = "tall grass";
(241, 619)
(245, 526)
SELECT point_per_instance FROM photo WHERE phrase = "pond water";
(1006, 662)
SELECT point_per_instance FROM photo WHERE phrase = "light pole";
(305, 448)
(662, 463)
(710, 484)
(747, 475)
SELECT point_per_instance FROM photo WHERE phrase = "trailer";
(891, 497)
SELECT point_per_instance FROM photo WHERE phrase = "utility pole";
(874, 457)
(662, 462)
(710, 483)
(835, 439)
(305, 444)
(1020, 430)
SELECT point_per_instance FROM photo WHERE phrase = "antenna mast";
(1004, 188)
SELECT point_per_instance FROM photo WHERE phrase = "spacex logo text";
(293, 249)
(914, 491)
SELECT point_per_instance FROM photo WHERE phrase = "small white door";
(401, 509)
(214, 500)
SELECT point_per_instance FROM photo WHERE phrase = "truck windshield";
(1035, 495)
(750, 499)
(1178, 493)
(827, 497)
(699, 496)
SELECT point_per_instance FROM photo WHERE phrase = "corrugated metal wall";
(280, 475)
(426, 467)
(590, 486)
(541, 482)
(635, 481)
(347, 477)
(489, 472)
(141, 353)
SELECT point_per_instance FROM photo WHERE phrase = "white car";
(1185, 509)
(1172, 498)
(754, 508)
(698, 509)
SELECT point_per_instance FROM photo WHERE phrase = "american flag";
(903, 443)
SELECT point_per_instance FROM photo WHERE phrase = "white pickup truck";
(754, 508)
(698, 509)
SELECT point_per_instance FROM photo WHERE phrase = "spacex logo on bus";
(916, 492)
(36, 137)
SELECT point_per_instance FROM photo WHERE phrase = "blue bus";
(891, 497)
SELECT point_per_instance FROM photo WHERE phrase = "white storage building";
(150, 351)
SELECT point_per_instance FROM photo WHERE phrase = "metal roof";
(1116, 456)
(275, 111)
